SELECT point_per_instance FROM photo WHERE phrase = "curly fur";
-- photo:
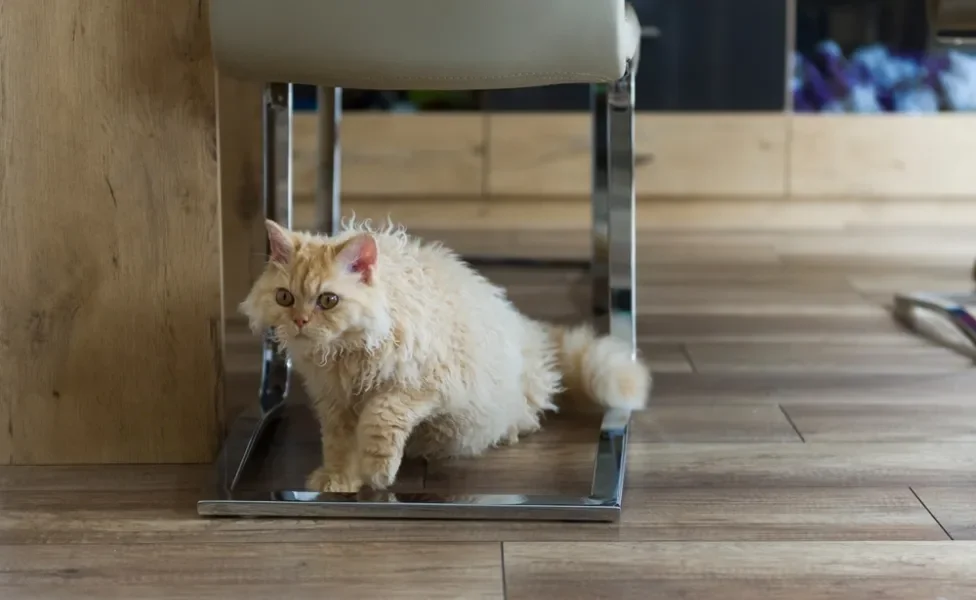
(421, 355)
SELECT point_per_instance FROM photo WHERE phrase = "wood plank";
(243, 235)
(6, 433)
(888, 284)
(723, 514)
(396, 153)
(746, 571)
(771, 155)
(239, 152)
(202, 571)
(70, 479)
(953, 507)
(110, 300)
(550, 154)
(669, 358)
(750, 388)
(545, 153)
(829, 357)
(930, 421)
(657, 214)
(563, 244)
(676, 424)
(919, 249)
(881, 155)
(861, 330)
(566, 468)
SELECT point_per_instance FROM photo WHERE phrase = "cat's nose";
(301, 321)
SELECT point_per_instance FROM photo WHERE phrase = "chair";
(952, 24)
(436, 44)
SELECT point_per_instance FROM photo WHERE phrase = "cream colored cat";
(406, 350)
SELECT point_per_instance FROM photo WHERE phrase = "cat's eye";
(283, 297)
(327, 300)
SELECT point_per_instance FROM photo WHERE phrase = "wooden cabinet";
(110, 299)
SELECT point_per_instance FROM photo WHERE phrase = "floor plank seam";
(501, 549)
(931, 514)
(792, 424)
(687, 354)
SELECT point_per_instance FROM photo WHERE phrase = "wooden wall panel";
(701, 154)
(546, 154)
(678, 155)
(398, 154)
(883, 155)
(239, 127)
(110, 307)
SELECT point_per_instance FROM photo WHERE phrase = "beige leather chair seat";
(425, 44)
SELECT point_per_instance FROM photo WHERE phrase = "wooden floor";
(801, 445)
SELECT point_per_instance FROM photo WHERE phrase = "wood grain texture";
(775, 155)
(820, 357)
(702, 216)
(110, 278)
(751, 388)
(566, 468)
(252, 571)
(397, 154)
(881, 155)
(930, 420)
(239, 152)
(740, 571)
(663, 514)
(676, 424)
(723, 499)
(953, 507)
(538, 154)
(70, 479)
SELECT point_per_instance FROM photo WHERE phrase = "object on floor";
(435, 45)
(947, 317)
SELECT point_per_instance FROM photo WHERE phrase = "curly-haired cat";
(406, 350)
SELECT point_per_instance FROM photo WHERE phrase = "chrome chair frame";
(613, 270)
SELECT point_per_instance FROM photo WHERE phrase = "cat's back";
(434, 270)
(433, 288)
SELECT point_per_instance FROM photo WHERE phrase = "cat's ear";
(280, 242)
(359, 256)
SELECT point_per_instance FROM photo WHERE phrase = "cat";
(405, 350)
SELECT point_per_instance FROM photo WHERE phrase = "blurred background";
(840, 56)
(734, 98)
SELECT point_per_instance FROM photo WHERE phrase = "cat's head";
(319, 293)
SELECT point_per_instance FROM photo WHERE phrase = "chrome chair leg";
(328, 199)
(618, 255)
(614, 257)
(599, 198)
(248, 430)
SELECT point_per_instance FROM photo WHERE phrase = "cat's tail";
(599, 370)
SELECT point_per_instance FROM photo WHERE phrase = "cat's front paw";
(378, 472)
(324, 480)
